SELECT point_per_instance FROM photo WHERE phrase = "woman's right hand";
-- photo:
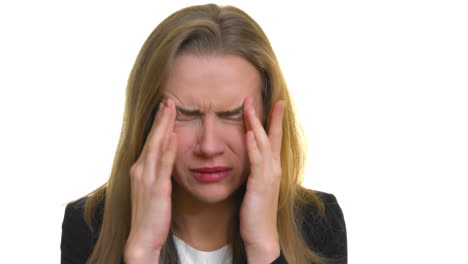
(151, 189)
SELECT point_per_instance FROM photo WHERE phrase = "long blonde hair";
(201, 29)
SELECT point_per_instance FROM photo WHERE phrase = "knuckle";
(136, 170)
(161, 189)
(154, 140)
(165, 161)
(156, 143)
(279, 171)
(257, 160)
(165, 188)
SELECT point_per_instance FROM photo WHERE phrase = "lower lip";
(210, 176)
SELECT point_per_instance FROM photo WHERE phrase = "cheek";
(235, 139)
(186, 139)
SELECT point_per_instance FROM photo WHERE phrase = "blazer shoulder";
(326, 234)
(77, 242)
(333, 210)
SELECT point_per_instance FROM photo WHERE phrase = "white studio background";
(380, 86)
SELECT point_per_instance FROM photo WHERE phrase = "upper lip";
(211, 169)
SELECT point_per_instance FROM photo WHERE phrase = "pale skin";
(215, 138)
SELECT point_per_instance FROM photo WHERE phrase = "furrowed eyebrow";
(187, 111)
(234, 111)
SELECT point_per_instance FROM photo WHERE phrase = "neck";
(204, 226)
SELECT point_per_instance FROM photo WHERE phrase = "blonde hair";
(205, 29)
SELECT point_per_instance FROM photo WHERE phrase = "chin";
(211, 193)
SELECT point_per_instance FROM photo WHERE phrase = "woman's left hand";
(259, 208)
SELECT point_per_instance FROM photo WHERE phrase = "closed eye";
(190, 115)
(186, 116)
(233, 116)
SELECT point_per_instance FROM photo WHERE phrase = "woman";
(209, 160)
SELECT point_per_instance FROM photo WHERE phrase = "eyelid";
(185, 119)
(187, 114)
(237, 113)
(231, 114)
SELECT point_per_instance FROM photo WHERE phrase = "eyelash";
(182, 117)
(236, 117)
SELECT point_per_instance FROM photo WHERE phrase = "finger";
(158, 137)
(167, 162)
(156, 120)
(137, 188)
(170, 126)
(256, 126)
(156, 123)
(133, 194)
(247, 104)
(275, 130)
(255, 157)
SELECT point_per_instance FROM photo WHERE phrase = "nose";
(209, 142)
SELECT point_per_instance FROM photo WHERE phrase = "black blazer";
(325, 235)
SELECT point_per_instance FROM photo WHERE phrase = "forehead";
(212, 81)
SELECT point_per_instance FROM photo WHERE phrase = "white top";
(190, 255)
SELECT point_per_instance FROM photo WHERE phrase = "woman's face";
(209, 91)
